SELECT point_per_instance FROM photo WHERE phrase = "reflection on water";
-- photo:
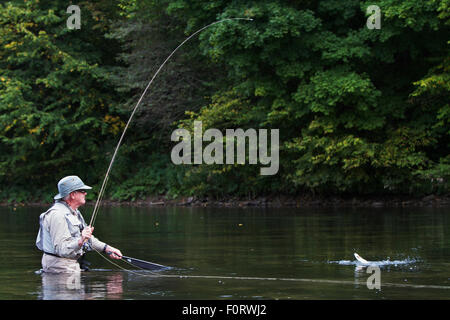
(239, 253)
(72, 286)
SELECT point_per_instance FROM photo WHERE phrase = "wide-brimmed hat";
(69, 184)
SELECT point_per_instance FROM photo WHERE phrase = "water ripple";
(380, 263)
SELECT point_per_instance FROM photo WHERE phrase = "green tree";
(56, 103)
(339, 92)
(359, 110)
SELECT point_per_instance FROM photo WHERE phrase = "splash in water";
(360, 262)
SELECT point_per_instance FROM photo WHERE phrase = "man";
(63, 235)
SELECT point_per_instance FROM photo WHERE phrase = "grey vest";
(44, 240)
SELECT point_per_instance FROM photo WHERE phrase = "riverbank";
(276, 202)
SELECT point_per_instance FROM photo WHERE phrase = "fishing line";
(362, 283)
(102, 189)
(115, 264)
(157, 275)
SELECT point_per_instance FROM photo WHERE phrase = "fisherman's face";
(79, 197)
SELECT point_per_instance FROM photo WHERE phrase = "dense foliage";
(55, 112)
(360, 111)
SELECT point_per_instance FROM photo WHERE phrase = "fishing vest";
(74, 223)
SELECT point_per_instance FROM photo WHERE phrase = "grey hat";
(69, 184)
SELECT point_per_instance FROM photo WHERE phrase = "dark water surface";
(241, 254)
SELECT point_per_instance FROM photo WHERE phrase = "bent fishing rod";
(138, 262)
(105, 180)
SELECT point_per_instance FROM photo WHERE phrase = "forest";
(359, 111)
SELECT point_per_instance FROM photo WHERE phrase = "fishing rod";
(105, 180)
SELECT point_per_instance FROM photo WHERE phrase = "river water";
(245, 253)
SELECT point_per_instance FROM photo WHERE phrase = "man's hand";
(86, 234)
(113, 252)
